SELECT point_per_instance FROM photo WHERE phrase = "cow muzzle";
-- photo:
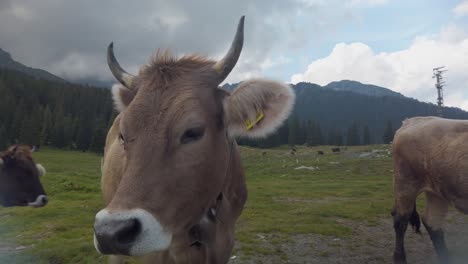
(131, 232)
(40, 201)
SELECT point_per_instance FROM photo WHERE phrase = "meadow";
(307, 208)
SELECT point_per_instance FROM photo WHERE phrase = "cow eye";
(192, 134)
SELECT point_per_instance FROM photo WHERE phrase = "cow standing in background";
(173, 182)
(429, 155)
(19, 178)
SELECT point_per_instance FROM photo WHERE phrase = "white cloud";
(76, 66)
(461, 9)
(406, 71)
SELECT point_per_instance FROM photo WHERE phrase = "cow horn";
(226, 64)
(120, 74)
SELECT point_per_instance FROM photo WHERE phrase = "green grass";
(282, 202)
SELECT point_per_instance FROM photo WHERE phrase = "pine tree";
(331, 139)
(99, 138)
(85, 132)
(389, 133)
(3, 140)
(318, 131)
(353, 135)
(46, 131)
(314, 134)
(293, 130)
(366, 140)
(339, 138)
(310, 133)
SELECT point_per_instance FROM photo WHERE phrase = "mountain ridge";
(7, 62)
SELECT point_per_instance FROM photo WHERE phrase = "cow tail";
(415, 220)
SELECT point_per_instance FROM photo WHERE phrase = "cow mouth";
(40, 201)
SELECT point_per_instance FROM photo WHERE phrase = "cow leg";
(403, 213)
(405, 190)
(400, 224)
(433, 219)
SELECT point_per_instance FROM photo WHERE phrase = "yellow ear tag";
(249, 124)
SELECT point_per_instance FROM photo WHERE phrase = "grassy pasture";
(284, 202)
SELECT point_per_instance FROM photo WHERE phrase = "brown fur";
(171, 95)
(429, 156)
(180, 184)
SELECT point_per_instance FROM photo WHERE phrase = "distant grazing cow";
(19, 178)
(430, 155)
(173, 182)
(334, 150)
(264, 153)
(293, 152)
(319, 152)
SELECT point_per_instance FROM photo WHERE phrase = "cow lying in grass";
(429, 156)
(19, 178)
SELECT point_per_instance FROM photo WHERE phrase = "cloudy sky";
(391, 43)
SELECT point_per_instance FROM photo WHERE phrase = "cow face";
(176, 130)
(19, 178)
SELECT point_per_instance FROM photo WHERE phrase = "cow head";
(176, 133)
(19, 178)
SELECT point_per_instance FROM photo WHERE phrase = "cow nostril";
(44, 200)
(129, 232)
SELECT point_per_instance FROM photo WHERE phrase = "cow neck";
(211, 215)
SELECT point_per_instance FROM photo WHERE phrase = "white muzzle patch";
(152, 237)
(41, 169)
(41, 201)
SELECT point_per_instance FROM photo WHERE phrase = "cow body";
(173, 182)
(19, 178)
(430, 157)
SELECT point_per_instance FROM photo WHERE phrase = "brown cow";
(19, 178)
(430, 156)
(172, 178)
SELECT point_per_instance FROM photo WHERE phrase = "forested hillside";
(63, 115)
(7, 62)
(339, 116)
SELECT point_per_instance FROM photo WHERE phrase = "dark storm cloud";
(70, 38)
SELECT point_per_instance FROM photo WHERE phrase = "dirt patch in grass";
(367, 244)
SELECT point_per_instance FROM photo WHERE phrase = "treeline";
(45, 113)
(310, 133)
(72, 116)
(348, 113)
(343, 111)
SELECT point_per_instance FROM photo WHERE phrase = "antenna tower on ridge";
(440, 83)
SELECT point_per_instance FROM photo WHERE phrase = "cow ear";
(257, 108)
(122, 96)
(41, 169)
